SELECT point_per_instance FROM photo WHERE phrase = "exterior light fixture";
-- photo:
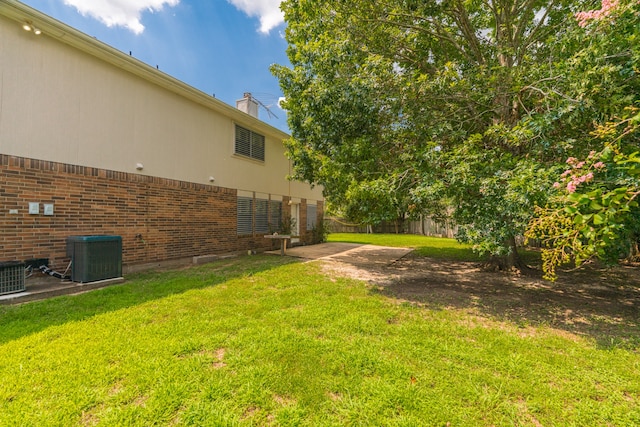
(28, 26)
(139, 166)
(211, 179)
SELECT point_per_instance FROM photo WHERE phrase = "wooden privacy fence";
(429, 227)
(426, 227)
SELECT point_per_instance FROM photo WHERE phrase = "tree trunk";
(634, 251)
(509, 262)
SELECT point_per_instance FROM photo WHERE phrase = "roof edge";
(64, 33)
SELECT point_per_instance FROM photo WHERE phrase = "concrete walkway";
(373, 264)
(322, 250)
(351, 253)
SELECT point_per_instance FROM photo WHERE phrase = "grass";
(263, 341)
(434, 247)
(426, 246)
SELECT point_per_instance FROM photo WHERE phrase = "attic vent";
(249, 143)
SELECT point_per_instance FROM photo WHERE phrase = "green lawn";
(436, 247)
(263, 340)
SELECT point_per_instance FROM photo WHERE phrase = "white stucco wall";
(62, 104)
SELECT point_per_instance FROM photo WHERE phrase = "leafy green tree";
(341, 116)
(454, 107)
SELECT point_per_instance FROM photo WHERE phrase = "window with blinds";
(245, 215)
(259, 216)
(249, 143)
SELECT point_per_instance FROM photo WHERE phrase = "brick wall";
(158, 219)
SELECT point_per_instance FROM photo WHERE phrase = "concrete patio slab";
(364, 262)
(44, 287)
(352, 253)
(321, 250)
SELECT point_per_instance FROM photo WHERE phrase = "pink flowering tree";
(595, 212)
(608, 7)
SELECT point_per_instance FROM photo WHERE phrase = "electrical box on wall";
(34, 208)
(48, 209)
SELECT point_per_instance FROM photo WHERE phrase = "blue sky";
(221, 47)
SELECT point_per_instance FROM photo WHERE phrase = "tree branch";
(440, 34)
(464, 24)
(560, 94)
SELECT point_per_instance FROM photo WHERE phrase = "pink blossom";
(571, 160)
(599, 165)
(584, 178)
(565, 173)
(591, 154)
(556, 185)
(579, 165)
(606, 7)
(571, 187)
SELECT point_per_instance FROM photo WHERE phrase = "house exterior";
(95, 142)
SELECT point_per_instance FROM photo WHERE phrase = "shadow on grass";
(600, 303)
(21, 320)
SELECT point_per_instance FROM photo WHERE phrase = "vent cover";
(11, 277)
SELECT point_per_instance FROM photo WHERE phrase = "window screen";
(312, 212)
(257, 146)
(245, 215)
(275, 215)
(243, 141)
(262, 218)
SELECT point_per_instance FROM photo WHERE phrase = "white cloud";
(267, 10)
(119, 13)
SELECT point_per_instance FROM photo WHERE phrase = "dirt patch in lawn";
(603, 303)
